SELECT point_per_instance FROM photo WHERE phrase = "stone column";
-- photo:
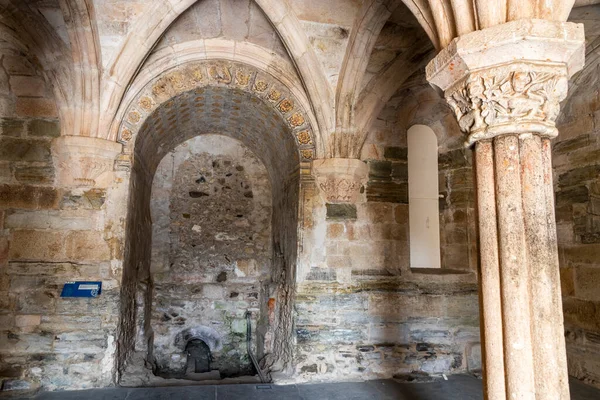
(504, 84)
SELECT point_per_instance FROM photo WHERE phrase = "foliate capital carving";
(510, 99)
(340, 180)
(510, 78)
(84, 161)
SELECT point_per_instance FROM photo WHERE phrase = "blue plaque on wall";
(81, 289)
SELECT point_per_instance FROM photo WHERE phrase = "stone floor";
(458, 387)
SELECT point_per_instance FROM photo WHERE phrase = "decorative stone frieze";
(340, 179)
(197, 76)
(84, 161)
(509, 79)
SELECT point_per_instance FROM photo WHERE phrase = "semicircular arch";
(194, 75)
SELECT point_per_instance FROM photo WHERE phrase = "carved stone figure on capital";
(505, 97)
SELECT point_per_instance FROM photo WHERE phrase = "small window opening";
(423, 198)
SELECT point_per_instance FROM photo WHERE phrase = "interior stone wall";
(576, 162)
(362, 312)
(50, 234)
(385, 151)
(211, 253)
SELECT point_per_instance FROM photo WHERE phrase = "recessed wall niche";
(211, 257)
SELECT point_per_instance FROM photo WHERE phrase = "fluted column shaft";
(520, 287)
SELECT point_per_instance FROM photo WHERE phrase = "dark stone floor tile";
(173, 393)
(457, 387)
(338, 391)
(92, 394)
(581, 391)
(257, 392)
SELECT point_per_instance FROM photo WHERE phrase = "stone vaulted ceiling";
(350, 57)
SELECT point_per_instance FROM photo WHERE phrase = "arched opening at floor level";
(257, 126)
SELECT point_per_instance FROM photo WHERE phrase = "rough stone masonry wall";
(50, 235)
(211, 245)
(267, 134)
(362, 312)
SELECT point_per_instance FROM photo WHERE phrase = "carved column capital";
(509, 79)
(340, 180)
(84, 161)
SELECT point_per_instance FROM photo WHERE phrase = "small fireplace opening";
(198, 356)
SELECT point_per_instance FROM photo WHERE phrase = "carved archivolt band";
(199, 74)
(509, 99)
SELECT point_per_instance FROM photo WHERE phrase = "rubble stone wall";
(211, 251)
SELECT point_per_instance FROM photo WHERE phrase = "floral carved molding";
(340, 179)
(196, 75)
(514, 99)
(509, 78)
(340, 190)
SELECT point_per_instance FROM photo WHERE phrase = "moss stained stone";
(12, 127)
(12, 149)
(42, 127)
(341, 211)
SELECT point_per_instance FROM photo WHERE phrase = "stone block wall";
(48, 340)
(458, 223)
(361, 311)
(49, 235)
(28, 122)
(382, 327)
(576, 162)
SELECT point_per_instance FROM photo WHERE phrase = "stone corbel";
(510, 78)
(84, 161)
(340, 180)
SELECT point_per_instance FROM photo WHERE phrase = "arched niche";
(212, 248)
(223, 98)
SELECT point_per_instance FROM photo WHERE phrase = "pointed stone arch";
(122, 70)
